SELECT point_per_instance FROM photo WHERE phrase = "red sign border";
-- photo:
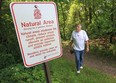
(19, 38)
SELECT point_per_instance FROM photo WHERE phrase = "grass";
(64, 71)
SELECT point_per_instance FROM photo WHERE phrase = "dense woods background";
(98, 18)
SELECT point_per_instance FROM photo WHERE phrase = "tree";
(0, 4)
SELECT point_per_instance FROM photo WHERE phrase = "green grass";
(64, 71)
(61, 70)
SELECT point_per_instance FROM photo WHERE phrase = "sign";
(37, 29)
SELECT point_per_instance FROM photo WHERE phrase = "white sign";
(37, 29)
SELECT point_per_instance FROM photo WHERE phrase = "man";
(79, 39)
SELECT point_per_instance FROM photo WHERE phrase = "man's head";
(78, 27)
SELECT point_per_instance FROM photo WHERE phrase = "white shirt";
(79, 39)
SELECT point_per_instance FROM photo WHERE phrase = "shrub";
(19, 74)
(6, 60)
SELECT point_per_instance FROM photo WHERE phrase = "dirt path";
(93, 61)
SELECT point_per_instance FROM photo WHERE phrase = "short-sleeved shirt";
(79, 39)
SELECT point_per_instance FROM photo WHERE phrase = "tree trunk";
(90, 15)
(0, 18)
(111, 36)
(0, 4)
(112, 20)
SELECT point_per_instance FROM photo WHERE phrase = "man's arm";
(87, 46)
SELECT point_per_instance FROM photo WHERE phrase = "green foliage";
(108, 50)
(6, 60)
(103, 23)
(9, 49)
(20, 74)
(97, 17)
(75, 13)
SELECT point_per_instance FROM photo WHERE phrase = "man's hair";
(77, 24)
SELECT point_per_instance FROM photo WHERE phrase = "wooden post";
(47, 73)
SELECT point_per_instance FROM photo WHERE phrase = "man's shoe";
(81, 67)
(78, 72)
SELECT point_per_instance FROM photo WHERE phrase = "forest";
(98, 19)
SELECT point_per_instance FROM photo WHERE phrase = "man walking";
(79, 39)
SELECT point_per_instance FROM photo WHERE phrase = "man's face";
(78, 28)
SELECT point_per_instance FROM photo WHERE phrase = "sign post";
(47, 72)
(37, 29)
